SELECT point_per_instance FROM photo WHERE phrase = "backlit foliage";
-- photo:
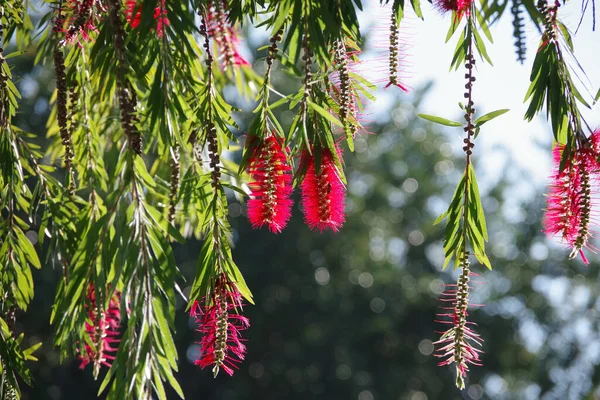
(144, 137)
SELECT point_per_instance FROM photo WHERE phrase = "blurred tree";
(351, 316)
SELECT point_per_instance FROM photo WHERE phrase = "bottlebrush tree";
(144, 140)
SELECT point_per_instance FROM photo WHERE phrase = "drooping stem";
(175, 172)
(518, 30)
(271, 56)
(551, 36)
(469, 130)
(209, 126)
(126, 92)
(62, 100)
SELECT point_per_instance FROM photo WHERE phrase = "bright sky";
(502, 86)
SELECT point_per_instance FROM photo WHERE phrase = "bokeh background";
(351, 315)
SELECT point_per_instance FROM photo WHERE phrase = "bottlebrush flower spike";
(81, 22)
(343, 90)
(133, 15)
(102, 328)
(160, 15)
(271, 185)
(460, 7)
(459, 344)
(219, 322)
(224, 34)
(569, 205)
(394, 54)
(323, 193)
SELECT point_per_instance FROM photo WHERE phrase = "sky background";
(500, 86)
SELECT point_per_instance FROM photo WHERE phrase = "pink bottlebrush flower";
(569, 210)
(459, 344)
(102, 328)
(218, 27)
(221, 324)
(323, 193)
(271, 185)
(460, 7)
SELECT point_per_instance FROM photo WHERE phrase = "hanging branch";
(126, 93)
(459, 345)
(62, 92)
(570, 210)
(466, 230)
(218, 288)
(17, 254)
(552, 84)
(266, 160)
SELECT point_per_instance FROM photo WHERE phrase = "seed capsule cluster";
(469, 108)
(61, 111)
(347, 107)
(308, 74)
(210, 129)
(126, 93)
(518, 30)
(213, 154)
(394, 50)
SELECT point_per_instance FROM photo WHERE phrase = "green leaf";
(440, 218)
(476, 200)
(140, 168)
(28, 248)
(440, 120)
(489, 116)
(324, 113)
(481, 47)
(453, 26)
(484, 26)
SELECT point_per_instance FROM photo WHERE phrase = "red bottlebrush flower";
(569, 205)
(461, 7)
(160, 15)
(133, 13)
(271, 186)
(102, 328)
(221, 325)
(218, 26)
(323, 193)
(459, 344)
